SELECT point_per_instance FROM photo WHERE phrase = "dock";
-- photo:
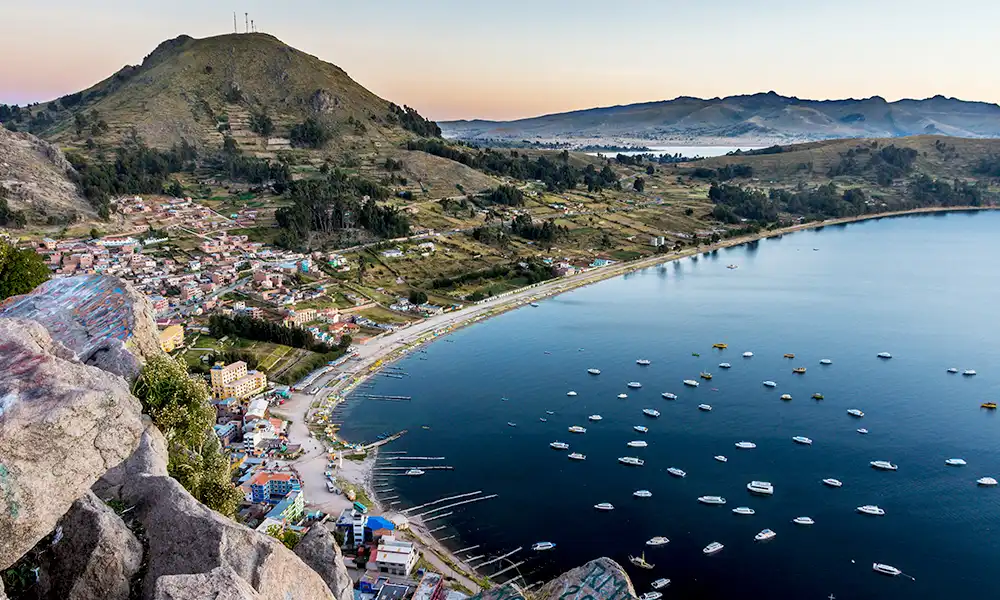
(422, 468)
(414, 458)
(466, 495)
(447, 506)
(501, 557)
(441, 516)
(382, 442)
(513, 566)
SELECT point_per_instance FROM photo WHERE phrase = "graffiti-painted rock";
(102, 319)
(600, 579)
(63, 424)
(319, 550)
(221, 583)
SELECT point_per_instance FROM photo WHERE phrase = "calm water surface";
(923, 288)
(689, 151)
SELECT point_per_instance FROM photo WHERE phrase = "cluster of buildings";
(422, 249)
(184, 212)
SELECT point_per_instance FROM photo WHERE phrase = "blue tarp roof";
(376, 523)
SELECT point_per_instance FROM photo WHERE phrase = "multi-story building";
(268, 485)
(300, 317)
(234, 381)
(289, 510)
(171, 338)
(395, 557)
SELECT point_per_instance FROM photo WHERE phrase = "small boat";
(825, 361)
(651, 595)
(817, 396)
(631, 461)
(883, 465)
(695, 354)
(786, 397)
(594, 371)
(511, 424)
(550, 412)
(743, 510)
(543, 419)
(803, 521)
(969, 372)
(595, 417)
(884, 355)
(862, 431)
(761, 487)
(986, 481)
(559, 445)
(636, 444)
(640, 428)
(676, 472)
(571, 393)
(799, 370)
(504, 399)
(855, 412)
(643, 362)
(634, 385)
(712, 548)
(657, 541)
(721, 458)
(642, 494)
(705, 407)
(889, 570)
(577, 456)
(801, 439)
(748, 355)
(770, 384)
(622, 396)
(833, 482)
(669, 396)
(989, 405)
(705, 375)
(953, 370)
(871, 509)
(534, 305)
(764, 535)
(955, 462)
(537, 546)
(640, 561)
(414, 473)
(712, 500)
(649, 412)
(725, 366)
(720, 346)
(691, 383)
(604, 506)
(789, 355)
(660, 583)
(546, 352)
(577, 429)
(746, 445)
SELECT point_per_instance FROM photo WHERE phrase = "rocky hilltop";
(35, 178)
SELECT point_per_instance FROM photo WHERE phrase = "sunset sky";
(455, 59)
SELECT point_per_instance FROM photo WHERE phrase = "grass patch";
(625, 255)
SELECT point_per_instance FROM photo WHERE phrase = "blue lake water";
(689, 151)
(924, 288)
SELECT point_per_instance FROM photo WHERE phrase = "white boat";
(712, 500)
(748, 355)
(571, 393)
(862, 431)
(743, 510)
(676, 472)
(770, 384)
(884, 465)
(543, 419)
(855, 412)
(746, 445)
(721, 458)
(670, 396)
(559, 445)
(953, 370)
(889, 570)
(969, 372)
(690, 383)
(761, 487)
(577, 456)
(622, 396)
(414, 473)
(986, 481)
(534, 305)
(884, 355)
(543, 546)
(955, 462)
(643, 362)
(550, 412)
(657, 541)
(594, 371)
(725, 365)
(577, 429)
(511, 424)
(801, 439)
(659, 584)
(786, 397)
(649, 412)
(642, 494)
(634, 385)
(833, 482)
(640, 561)
(705, 407)
(636, 444)
(651, 596)
(604, 506)
(871, 509)
(712, 548)
(803, 521)
(631, 461)
(640, 428)
(825, 361)
(595, 417)
(764, 535)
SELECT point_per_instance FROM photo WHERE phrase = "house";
(272, 487)
(226, 432)
(395, 557)
(234, 381)
(171, 338)
(290, 509)
(602, 262)
(431, 587)
(353, 522)
(392, 253)
(378, 527)
(298, 318)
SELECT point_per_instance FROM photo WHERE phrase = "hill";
(35, 181)
(756, 118)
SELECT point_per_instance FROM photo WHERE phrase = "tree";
(418, 297)
(650, 169)
(639, 184)
(311, 133)
(21, 270)
(95, 233)
(286, 536)
(345, 342)
(262, 124)
(175, 189)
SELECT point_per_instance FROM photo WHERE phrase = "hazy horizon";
(454, 61)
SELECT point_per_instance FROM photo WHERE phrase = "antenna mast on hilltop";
(246, 22)
(253, 28)
(235, 30)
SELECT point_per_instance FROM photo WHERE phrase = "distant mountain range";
(762, 118)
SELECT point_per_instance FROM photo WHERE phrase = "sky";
(461, 59)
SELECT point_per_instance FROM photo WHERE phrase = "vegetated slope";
(768, 117)
(35, 179)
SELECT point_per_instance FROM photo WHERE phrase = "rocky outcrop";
(220, 583)
(599, 579)
(63, 424)
(103, 320)
(319, 550)
(36, 178)
(94, 556)
(150, 458)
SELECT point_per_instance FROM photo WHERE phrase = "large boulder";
(103, 320)
(150, 458)
(318, 549)
(599, 579)
(221, 583)
(63, 424)
(94, 557)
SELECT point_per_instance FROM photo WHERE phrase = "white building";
(394, 557)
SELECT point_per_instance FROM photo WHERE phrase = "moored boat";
(657, 541)
(577, 429)
(825, 361)
(883, 465)
(705, 375)
(764, 535)
(786, 397)
(636, 444)
(799, 370)
(542, 546)
(543, 419)
(725, 365)
(631, 461)
(711, 500)
(746, 445)
(833, 482)
(953, 370)
(559, 445)
(642, 494)
(955, 462)
(595, 417)
(705, 407)
(721, 458)
(604, 506)
(765, 488)
(571, 393)
(889, 570)
(720, 346)
(640, 561)
(789, 355)
(643, 362)
(801, 439)
(676, 472)
(769, 384)
(414, 473)
(743, 510)
(989, 405)
(986, 481)
(651, 595)
(640, 428)
(884, 355)
(622, 396)
(691, 383)
(862, 431)
(634, 385)
(660, 583)
(594, 371)
(712, 548)
(856, 412)
(803, 521)
(511, 424)
(577, 456)
(748, 355)
(669, 396)
(871, 509)
(649, 412)
(969, 372)
(817, 396)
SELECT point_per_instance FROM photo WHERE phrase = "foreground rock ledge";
(599, 579)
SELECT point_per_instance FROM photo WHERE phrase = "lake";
(921, 287)
(688, 151)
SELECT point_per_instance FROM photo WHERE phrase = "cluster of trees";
(418, 297)
(598, 180)
(926, 191)
(547, 231)
(311, 133)
(261, 124)
(21, 270)
(887, 164)
(758, 152)
(91, 121)
(264, 331)
(989, 167)
(411, 120)
(734, 203)
(258, 171)
(723, 173)
(506, 195)
(13, 219)
(637, 160)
